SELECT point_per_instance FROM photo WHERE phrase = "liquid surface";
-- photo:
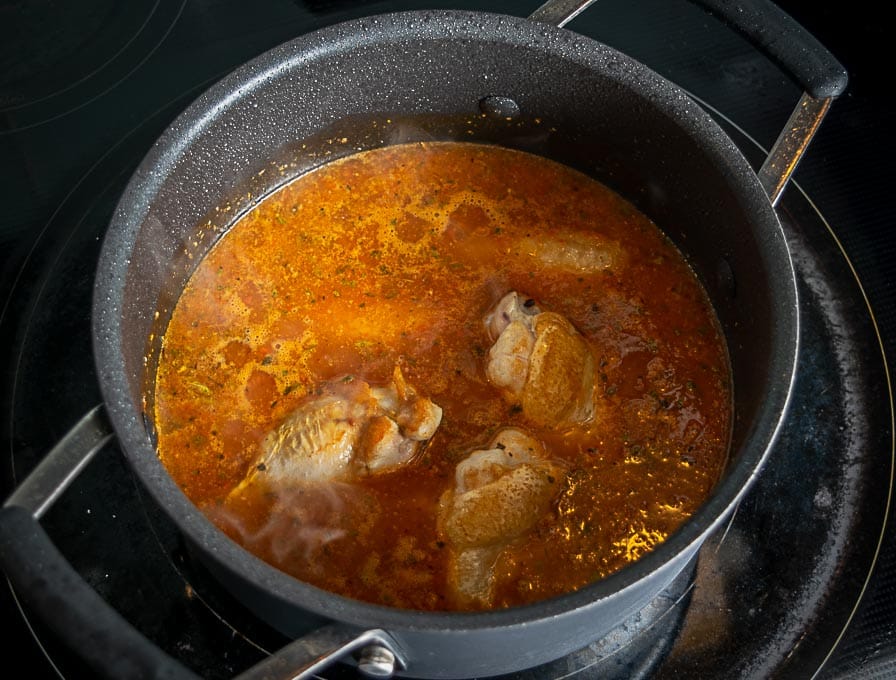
(395, 257)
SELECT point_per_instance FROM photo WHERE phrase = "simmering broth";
(444, 376)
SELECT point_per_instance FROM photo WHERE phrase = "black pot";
(426, 75)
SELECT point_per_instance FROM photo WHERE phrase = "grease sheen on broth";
(394, 257)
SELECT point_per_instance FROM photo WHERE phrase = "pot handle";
(49, 585)
(789, 46)
(378, 655)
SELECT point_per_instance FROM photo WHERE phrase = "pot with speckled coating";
(443, 75)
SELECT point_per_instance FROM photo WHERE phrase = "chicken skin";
(351, 430)
(499, 494)
(541, 362)
(578, 254)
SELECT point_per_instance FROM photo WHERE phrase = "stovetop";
(801, 583)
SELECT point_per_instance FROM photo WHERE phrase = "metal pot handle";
(49, 585)
(791, 47)
(56, 592)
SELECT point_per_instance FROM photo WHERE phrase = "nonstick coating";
(423, 75)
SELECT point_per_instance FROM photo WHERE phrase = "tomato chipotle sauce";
(393, 257)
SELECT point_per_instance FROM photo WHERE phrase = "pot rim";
(109, 290)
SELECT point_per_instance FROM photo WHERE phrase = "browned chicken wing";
(499, 494)
(577, 254)
(351, 430)
(541, 362)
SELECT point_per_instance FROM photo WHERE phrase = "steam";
(292, 527)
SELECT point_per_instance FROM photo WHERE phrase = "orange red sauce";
(395, 256)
